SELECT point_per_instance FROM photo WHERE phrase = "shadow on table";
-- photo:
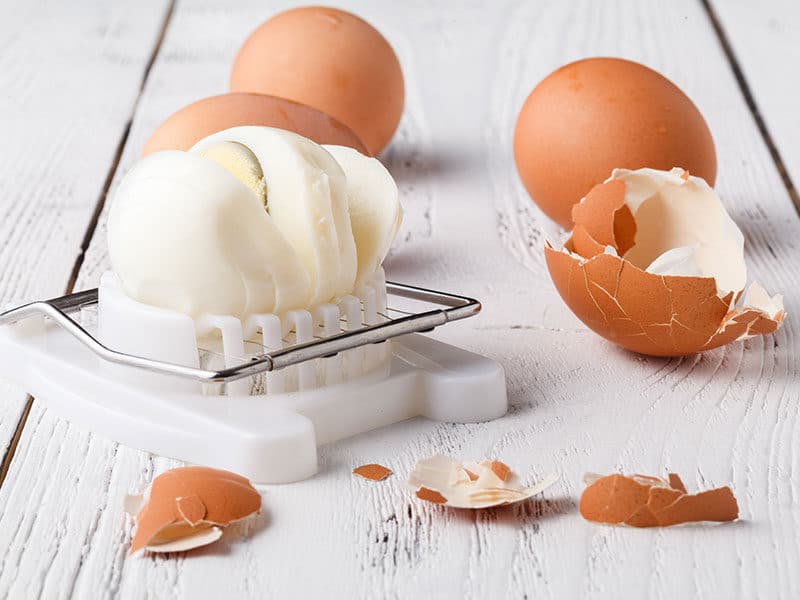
(532, 511)
(235, 533)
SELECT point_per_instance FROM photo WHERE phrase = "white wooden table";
(82, 84)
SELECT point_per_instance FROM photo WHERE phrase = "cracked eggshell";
(192, 123)
(655, 264)
(644, 501)
(329, 59)
(447, 481)
(597, 114)
(185, 508)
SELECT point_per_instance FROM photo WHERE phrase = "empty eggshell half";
(186, 507)
(644, 501)
(656, 265)
(192, 123)
(444, 480)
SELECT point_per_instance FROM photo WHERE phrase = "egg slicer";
(257, 396)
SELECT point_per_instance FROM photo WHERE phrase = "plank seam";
(123, 140)
(749, 99)
(12, 447)
(92, 226)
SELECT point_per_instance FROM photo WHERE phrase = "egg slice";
(374, 204)
(306, 198)
(185, 234)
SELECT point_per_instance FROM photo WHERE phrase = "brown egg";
(209, 115)
(331, 60)
(594, 115)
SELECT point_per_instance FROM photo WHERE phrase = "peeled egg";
(192, 123)
(599, 114)
(331, 60)
(656, 265)
(251, 220)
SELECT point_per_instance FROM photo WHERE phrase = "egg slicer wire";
(215, 417)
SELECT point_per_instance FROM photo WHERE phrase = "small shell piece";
(643, 501)
(444, 480)
(373, 472)
(187, 507)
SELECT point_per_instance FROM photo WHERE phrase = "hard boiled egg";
(329, 59)
(251, 220)
(599, 114)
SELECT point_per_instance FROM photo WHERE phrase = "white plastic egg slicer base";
(254, 397)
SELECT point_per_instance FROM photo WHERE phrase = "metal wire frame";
(453, 308)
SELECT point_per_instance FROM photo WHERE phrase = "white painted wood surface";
(69, 78)
(729, 416)
(763, 36)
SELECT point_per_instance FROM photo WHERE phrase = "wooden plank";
(578, 403)
(763, 40)
(70, 75)
(12, 408)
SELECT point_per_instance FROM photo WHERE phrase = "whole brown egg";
(209, 115)
(331, 60)
(594, 115)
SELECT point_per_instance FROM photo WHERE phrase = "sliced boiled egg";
(251, 220)
(375, 211)
(306, 198)
(185, 234)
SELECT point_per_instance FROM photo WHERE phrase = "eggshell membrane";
(331, 60)
(202, 118)
(659, 315)
(598, 114)
(447, 481)
(184, 500)
(641, 501)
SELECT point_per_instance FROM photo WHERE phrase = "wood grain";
(69, 75)
(729, 416)
(763, 40)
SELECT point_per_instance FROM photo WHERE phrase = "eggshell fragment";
(656, 265)
(189, 125)
(186, 507)
(642, 501)
(444, 480)
(373, 472)
(329, 59)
